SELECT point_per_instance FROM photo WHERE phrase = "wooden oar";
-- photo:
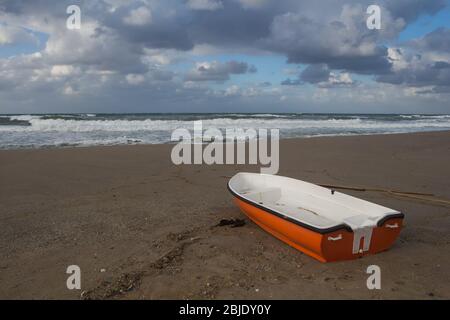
(407, 194)
(422, 198)
(374, 189)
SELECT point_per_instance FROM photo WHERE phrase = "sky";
(224, 56)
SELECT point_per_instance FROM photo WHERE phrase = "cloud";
(322, 76)
(62, 70)
(218, 71)
(342, 42)
(138, 17)
(315, 73)
(165, 26)
(15, 35)
(252, 4)
(210, 5)
(437, 40)
(338, 80)
(410, 10)
(137, 47)
(419, 72)
(424, 63)
(135, 79)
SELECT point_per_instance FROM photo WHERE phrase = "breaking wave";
(30, 131)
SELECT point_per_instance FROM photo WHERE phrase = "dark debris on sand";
(233, 223)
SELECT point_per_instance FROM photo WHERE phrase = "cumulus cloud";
(15, 35)
(342, 42)
(61, 70)
(252, 4)
(135, 79)
(419, 72)
(437, 41)
(218, 71)
(425, 63)
(315, 73)
(338, 79)
(410, 10)
(322, 76)
(137, 45)
(138, 17)
(205, 4)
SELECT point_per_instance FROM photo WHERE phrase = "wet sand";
(140, 227)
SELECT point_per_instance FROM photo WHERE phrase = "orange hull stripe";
(318, 245)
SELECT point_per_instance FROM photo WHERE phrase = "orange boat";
(325, 224)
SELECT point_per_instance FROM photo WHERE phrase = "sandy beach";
(140, 227)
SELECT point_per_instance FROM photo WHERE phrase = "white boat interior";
(307, 203)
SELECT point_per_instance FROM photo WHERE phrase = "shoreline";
(135, 222)
(173, 143)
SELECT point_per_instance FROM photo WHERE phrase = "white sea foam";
(24, 117)
(60, 125)
(91, 129)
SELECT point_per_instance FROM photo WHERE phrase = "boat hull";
(332, 246)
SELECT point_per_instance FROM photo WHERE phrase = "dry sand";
(141, 227)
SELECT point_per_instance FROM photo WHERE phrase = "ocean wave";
(32, 131)
(424, 116)
(7, 121)
(44, 124)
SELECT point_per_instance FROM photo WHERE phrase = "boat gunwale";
(341, 226)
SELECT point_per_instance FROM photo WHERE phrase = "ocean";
(62, 130)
